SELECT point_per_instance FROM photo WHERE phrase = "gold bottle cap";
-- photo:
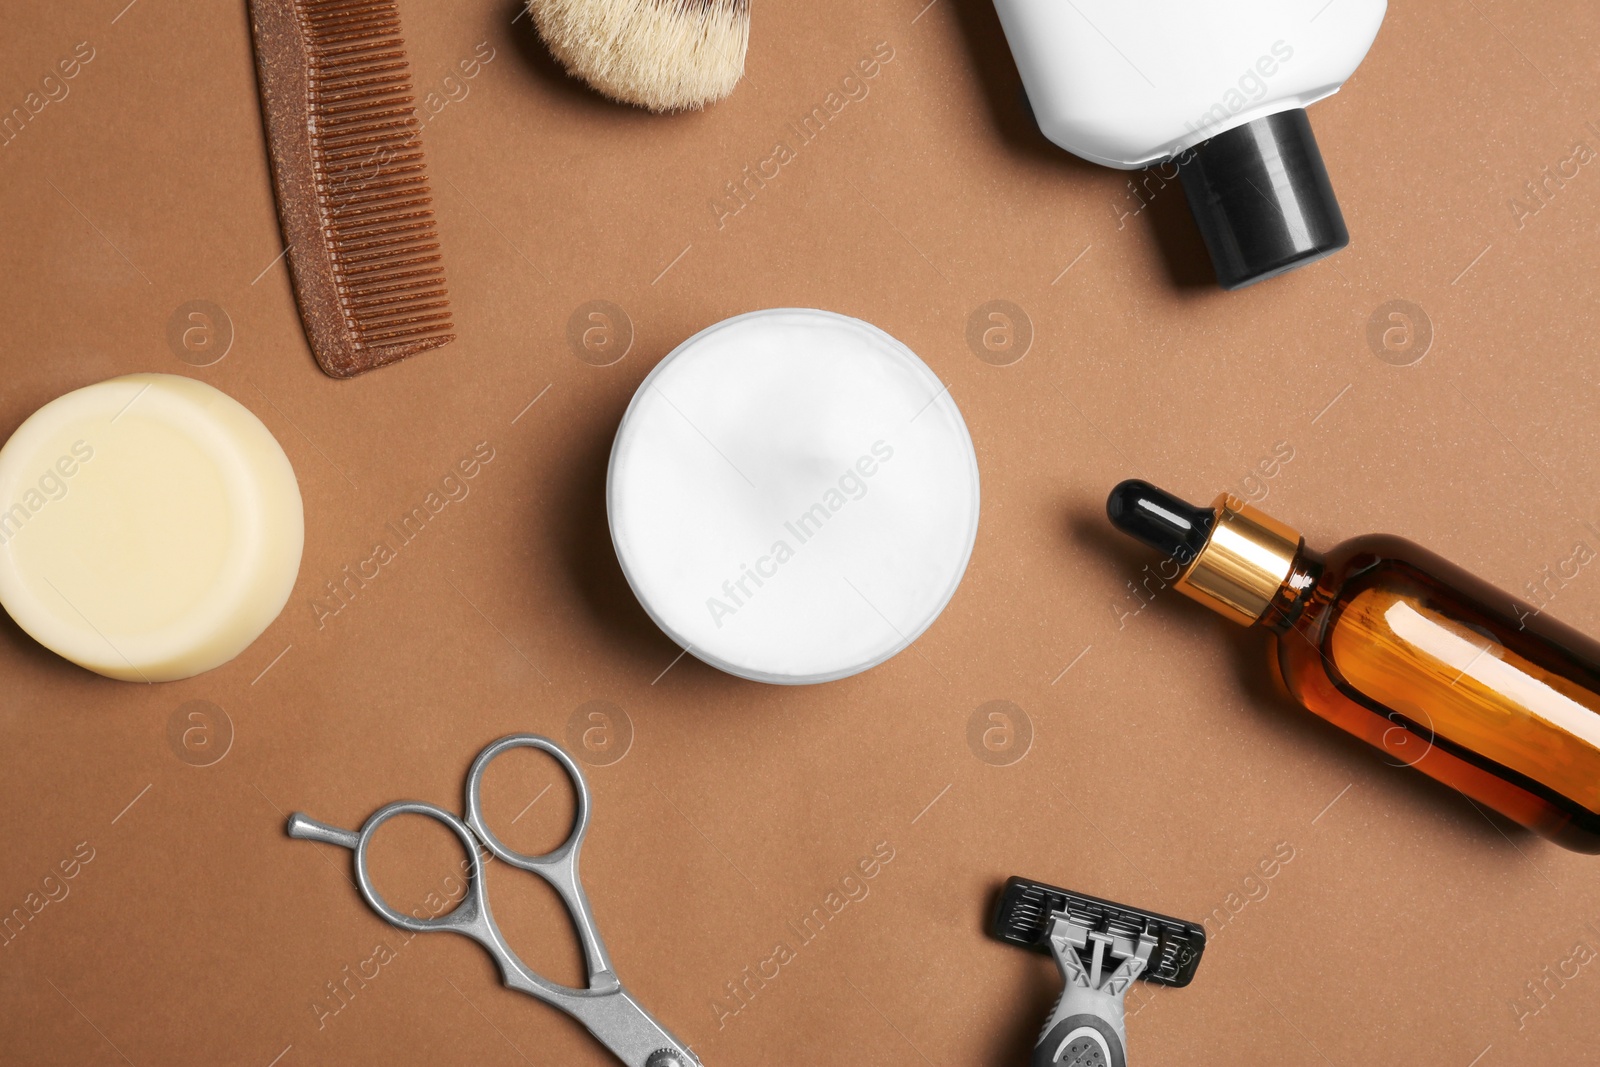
(1244, 562)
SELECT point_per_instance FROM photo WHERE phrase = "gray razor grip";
(1087, 1027)
(1075, 1037)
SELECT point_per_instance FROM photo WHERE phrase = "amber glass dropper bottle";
(1406, 651)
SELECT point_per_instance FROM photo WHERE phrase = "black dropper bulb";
(1169, 525)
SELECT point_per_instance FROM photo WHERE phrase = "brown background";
(1163, 768)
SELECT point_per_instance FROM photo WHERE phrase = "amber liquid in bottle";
(1449, 675)
(1407, 651)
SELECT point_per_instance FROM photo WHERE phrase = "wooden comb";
(353, 196)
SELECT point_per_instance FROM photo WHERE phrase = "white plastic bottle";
(1218, 89)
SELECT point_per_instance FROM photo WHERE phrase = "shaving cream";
(793, 495)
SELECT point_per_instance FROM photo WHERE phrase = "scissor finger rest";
(466, 917)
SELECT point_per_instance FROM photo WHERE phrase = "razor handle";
(1087, 1029)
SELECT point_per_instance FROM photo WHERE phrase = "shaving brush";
(664, 55)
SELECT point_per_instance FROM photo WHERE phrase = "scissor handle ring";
(475, 819)
(466, 915)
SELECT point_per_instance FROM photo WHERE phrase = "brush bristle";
(665, 55)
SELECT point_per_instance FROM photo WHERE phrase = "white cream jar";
(793, 495)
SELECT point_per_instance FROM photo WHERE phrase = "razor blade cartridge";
(1027, 908)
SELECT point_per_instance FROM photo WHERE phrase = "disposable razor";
(1101, 947)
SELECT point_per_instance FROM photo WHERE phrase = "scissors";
(607, 1009)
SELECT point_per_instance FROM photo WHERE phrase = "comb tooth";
(374, 314)
(332, 21)
(376, 25)
(395, 316)
(428, 338)
(431, 275)
(351, 201)
(382, 77)
(372, 223)
(390, 266)
(372, 160)
(379, 228)
(398, 321)
(397, 131)
(337, 77)
(330, 42)
(410, 176)
(416, 285)
(324, 19)
(354, 108)
(389, 135)
(358, 236)
(370, 114)
(397, 164)
(329, 37)
(409, 302)
(386, 253)
(436, 291)
(358, 228)
(382, 138)
(373, 191)
(375, 22)
(395, 123)
(389, 238)
(416, 229)
(434, 275)
(357, 158)
(346, 59)
(351, 63)
(328, 24)
(354, 207)
(396, 268)
(348, 78)
(437, 294)
(374, 311)
(435, 333)
(429, 297)
(370, 92)
(405, 333)
(416, 289)
(365, 94)
(321, 15)
(390, 175)
(383, 211)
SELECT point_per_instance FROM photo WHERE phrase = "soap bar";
(151, 527)
(793, 495)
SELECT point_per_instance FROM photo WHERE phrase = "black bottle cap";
(1262, 200)
(1159, 519)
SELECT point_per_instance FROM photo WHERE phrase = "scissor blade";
(631, 1033)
